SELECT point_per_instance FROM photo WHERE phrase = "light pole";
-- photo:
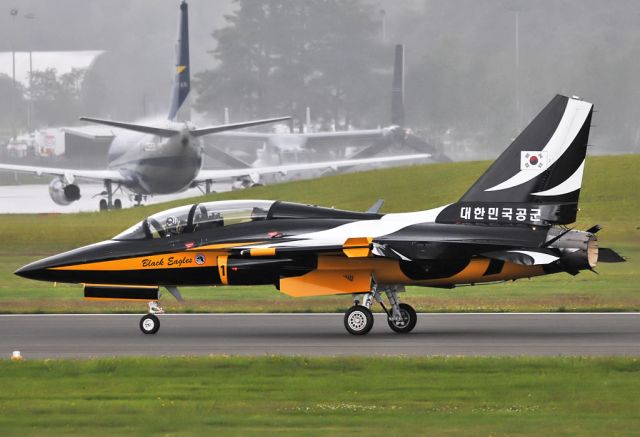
(383, 25)
(30, 16)
(517, 75)
(14, 14)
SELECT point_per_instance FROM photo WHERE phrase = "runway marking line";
(319, 314)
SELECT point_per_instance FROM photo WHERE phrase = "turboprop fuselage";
(156, 165)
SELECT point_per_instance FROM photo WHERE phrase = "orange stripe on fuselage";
(164, 261)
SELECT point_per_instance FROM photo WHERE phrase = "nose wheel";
(150, 323)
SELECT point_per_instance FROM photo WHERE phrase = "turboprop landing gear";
(139, 198)
(401, 317)
(107, 202)
(150, 323)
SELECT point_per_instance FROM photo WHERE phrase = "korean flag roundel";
(533, 160)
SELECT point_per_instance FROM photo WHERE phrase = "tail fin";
(397, 89)
(537, 180)
(182, 80)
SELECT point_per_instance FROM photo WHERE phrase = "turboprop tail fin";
(182, 79)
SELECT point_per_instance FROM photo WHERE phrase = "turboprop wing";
(255, 172)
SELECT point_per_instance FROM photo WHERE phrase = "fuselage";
(156, 165)
(178, 247)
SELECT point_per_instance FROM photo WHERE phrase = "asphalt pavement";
(57, 336)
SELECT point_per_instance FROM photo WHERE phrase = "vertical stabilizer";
(537, 179)
(182, 80)
(397, 90)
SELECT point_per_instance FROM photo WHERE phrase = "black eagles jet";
(510, 224)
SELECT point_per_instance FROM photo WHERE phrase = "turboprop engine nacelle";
(63, 193)
(579, 251)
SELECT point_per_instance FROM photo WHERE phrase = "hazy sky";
(586, 47)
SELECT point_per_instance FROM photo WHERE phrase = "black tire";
(149, 324)
(409, 317)
(103, 205)
(117, 204)
(358, 320)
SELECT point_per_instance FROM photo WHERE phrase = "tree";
(56, 99)
(280, 56)
(13, 109)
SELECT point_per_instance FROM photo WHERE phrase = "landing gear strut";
(401, 317)
(150, 323)
(107, 202)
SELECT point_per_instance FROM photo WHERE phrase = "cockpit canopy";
(199, 216)
(209, 215)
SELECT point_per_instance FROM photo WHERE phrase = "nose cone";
(36, 270)
(59, 268)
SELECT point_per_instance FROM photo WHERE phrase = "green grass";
(320, 396)
(609, 197)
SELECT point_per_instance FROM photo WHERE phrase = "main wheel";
(409, 319)
(358, 320)
(103, 205)
(117, 204)
(149, 324)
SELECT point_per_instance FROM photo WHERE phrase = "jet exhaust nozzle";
(579, 251)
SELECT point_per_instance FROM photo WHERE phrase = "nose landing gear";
(401, 317)
(150, 323)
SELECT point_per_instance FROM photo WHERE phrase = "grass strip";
(321, 396)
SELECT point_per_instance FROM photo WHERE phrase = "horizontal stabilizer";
(224, 157)
(225, 127)
(606, 255)
(161, 132)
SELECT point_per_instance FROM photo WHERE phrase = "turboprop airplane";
(271, 147)
(166, 157)
(509, 225)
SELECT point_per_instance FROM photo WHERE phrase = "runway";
(64, 336)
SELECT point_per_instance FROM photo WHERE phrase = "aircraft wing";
(309, 140)
(67, 173)
(90, 132)
(255, 172)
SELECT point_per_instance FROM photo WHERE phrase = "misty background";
(476, 71)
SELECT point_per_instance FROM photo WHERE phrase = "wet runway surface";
(34, 199)
(50, 336)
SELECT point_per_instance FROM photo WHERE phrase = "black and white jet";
(509, 225)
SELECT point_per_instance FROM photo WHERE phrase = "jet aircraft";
(166, 157)
(510, 224)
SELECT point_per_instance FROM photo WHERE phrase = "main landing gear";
(402, 318)
(107, 202)
(150, 323)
